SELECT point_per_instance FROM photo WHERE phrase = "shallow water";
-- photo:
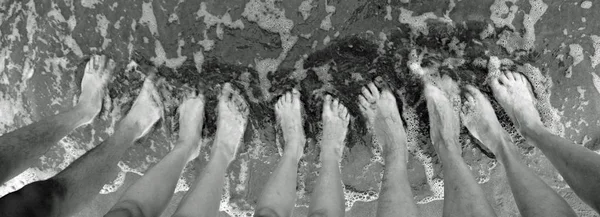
(265, 47)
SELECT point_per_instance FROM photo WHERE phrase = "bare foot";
(98, 72)
(513, 91)
(191, 119)
(231, 123)
(478, 116)
(146, 110)
(289, 117)
(335, 125)
(382, 112)
(443, 120)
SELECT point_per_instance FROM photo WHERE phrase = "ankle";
(331, 153)
(528, 130)
(221, 152)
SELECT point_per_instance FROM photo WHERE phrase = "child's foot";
(146, 110)
(191, 119)
(335, 126)
(444, 122)
(478, 116)
(231, 123)
(381, 110)
(289, 117)
(513, 91)
(97, 74)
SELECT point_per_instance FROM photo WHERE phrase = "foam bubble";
(148, 19)
(586, 4)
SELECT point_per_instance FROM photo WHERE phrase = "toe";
(288, 97)
(100, 61)
(226, 92)
(473, 91)
(363, 102)
(335, 104)
(510, 76)
(503, 79)
(295, 95)
(111, 66)
(367, 94)
(343, 112)
(522, 77)
(327, 102)
(374, 90)
(240, 103)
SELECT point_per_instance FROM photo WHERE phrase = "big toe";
(240, 103)
(226, 92)
(474, 92)
(99, 62)
(327, 103)
(111, 67)
(374, 90)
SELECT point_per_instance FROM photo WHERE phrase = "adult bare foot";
(289, 117)
(443, 120)
(513, 91)
(382, 112)
(232, 120)
(146, 110)
(478, 116)
(98, 72)
(191, 119)
(335, 125)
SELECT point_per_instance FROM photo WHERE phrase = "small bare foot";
(513, 91)
(231, 123)
(191, 119)
(146, 110)
(335, 125)
(98, 73)
(478, 116)
(289, 117)
(382, 112)
(443, 120)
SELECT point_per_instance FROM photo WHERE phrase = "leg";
(328, 196)
(462, 194)
(19, 149)
(579, 166)
(379, 107)
(205, 194)
(79, 183)
(279, 195)
(532, 195)
(150, 195)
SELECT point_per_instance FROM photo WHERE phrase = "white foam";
(211, 20)
(388, 12)
(596, 44)
(161, 56)
(305, 8)
(28, 176)
(148, 19)
(596, 81)
(199, 60)
(576, 52)
(586, 4)
(538, 8)
(102, 27)
(418, 24)
(90, 3)
(326, 40)
(326, 22)
(502, 15)
(120, 180)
